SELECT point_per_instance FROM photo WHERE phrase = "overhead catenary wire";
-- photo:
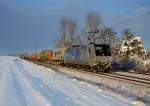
(135, 19)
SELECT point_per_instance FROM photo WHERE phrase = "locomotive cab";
(102, 50)
(100, 54)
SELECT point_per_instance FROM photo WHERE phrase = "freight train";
(92, 56)
(98, 57)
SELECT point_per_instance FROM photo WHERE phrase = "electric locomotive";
(96, 56)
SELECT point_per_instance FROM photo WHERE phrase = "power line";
(131, 19)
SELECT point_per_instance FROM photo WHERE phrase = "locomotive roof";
(91, 43)
(102, 44)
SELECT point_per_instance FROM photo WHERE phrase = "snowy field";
(23, 83)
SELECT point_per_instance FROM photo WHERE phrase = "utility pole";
(35, 50)
(64, 40)
(92, 34)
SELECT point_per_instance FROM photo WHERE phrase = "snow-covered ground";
(23, 83)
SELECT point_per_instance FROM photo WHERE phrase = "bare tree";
(71, 28)
(93, 24)
(67, 28)
(127, 35)
(110, 34)
(60, 42)
(84, 38)
(102, 36)
(93, 21)
(63, 30)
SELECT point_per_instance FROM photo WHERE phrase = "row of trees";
(94, 32)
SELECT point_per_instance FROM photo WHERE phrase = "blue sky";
(24, 22)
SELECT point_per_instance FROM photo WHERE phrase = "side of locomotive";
(76, 55)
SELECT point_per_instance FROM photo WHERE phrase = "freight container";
(58, 55)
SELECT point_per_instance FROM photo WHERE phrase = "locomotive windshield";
(102, 50)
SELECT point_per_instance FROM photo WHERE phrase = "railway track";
(118, 75)
(133, 75)
(127, 77)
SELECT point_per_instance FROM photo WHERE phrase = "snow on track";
(23, 83)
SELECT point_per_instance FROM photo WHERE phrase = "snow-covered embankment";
(132, 89)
